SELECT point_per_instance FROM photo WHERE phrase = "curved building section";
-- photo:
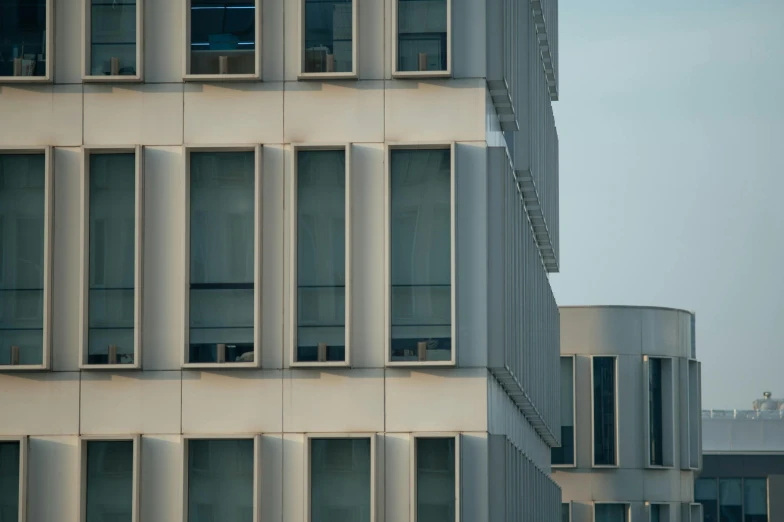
(630, 415)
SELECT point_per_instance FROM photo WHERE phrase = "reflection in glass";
(422, 35)
(328, 36)
(22, 208)
(604, 411)
(705, 493)
(755, 500)
(112, 258)
(23, 38)
(730, 500)
(656, 403)
(220, 480)
(611, 512)
(565, 454)
(321, 255)
(223, 37)
(340, 480)
(435, 479)
(420, 250)
(221, 256)
(113, 37)
(109, 481)
(9, 480)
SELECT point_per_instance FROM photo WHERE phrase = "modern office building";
(630, 415)
(742, 478)
(278, 260)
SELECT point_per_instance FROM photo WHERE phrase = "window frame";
(457, 436)
(351, 75)
(568, 503)
(87, 46)
(49, 76)
(648, 509)
(23, 459)
(694, 376)
(388, 148)
(396, 42)
(573, 357)
(84, 288)
(136, 474)
(242, 77)
(48, 282)
(593, 428)
(668, 410)
(627, 505)
(257, 253)
(257, 477)
(374, 470)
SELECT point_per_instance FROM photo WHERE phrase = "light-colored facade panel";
(600, 330)
(53, 469)
(161, 478)
(631, 417)
(273, 350)
(68, 42)
(39, 403)
(163, 41)
(41, 115)
(661, 333)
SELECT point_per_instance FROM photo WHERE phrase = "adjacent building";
(278, 260)
(630, 415)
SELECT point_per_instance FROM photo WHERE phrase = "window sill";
(219, 366)
(327, 76)
(421, 74)
(563, 466)
(7, 368)
(316, 365)
(221, 78)
(109, 367)
(113, 79)
(605, 466)
(420, 364)
(25, 79)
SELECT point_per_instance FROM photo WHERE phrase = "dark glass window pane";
(611, 512)
(655, 513)
(109, 481)
(224, 28)
(340, 480)
(565, 513)
(222, 256)
(565, 454)
(755, 500)
(328, 36)
(420, 250)
(655, 411)
(321, 254)
(604, 411)
(705, 492)
(22, 208)
(112, 257)
(9, 480)
(422, 33)
(220, 480)
(113, 37)
(730, 500)
(23, 38)
(435, 483)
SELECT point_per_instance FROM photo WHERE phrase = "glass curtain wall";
(220, 480)
(23, 38)
(732, 499)
(340, 480)
(435, 482)
(604, 421)
(565, 454)
(223, 36)
(113, 37)
(109, 481)
(755, 500)
(9, 480)
(422, 29)
(706, 493)
(328, 39)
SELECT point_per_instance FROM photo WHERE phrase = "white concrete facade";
(498, 396)
(636, 476)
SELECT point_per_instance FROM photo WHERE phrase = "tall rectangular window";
(223, 37)
(220, 480)
(755, 500)
(565, 454)
(730, 500)
(566, 512)
(604, 414)
(23, 38)
(328, 37)
(340, 480)
(222, 257)
(421, 255)
(706, 493)
(436, 479)
(655, 405)
(10, 469)
(611, 513)
(112, 38)
(695, 422)
(423, 31)
(112, 258)
(109, 480)
(22, 268)
(321, 256)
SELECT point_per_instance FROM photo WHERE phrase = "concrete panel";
(367, 256)
(684, 334)
(221, 113)
(371, 39)
(662, 485)
(661, 332)
(326, 401)
(583, 409)
(436, 400)
(444, 110)
(130, 402)
(211, 400)
(68, 41)
(272, 46)
(271, 473)
(600, 330)
(334, 112)
(397, 477)
(164, 258)
(631, 412)
(293, 478)
(291, 36)
(617, 484)
(776, 497)
(39, 404)
(161, 478)
(163, 41)
(272, 263)
(575, 484)
(133, 114)
(67, 224)
(41, 115)
(469, 38)
(53, 486)
(474, 471)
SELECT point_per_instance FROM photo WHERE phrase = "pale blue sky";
(671, 125)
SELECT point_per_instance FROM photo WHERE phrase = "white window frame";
(627, 505)
(574, 414)
(186, 59)
(373, 467)
(396, 42)
(413, 469)
(256, 438)
(689, 510)
(695, 414)
(296, 148)
(257, 251)
(136, 489)
(47, 151)
(22, 440)
(617, 423)
(668, 413)
(84, 289)
(350, 75)
(87, 75)
(49, 76)
(666, 511)
(389, 147)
